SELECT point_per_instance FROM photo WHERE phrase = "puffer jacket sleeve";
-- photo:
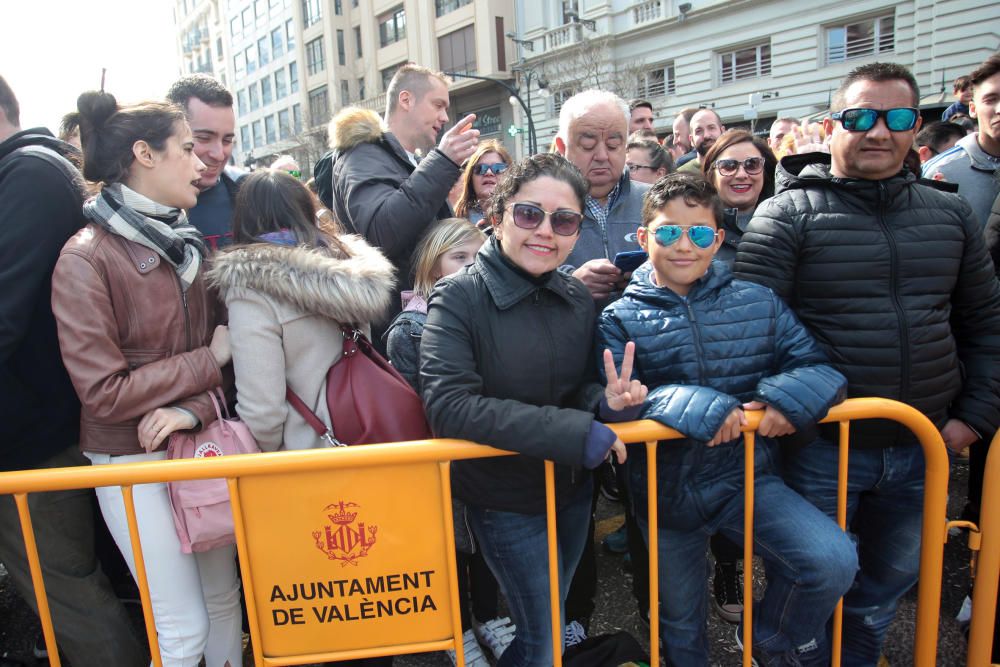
(88, 338)
(389, 211)
(768, 251)
(454, 393)
(993, 235)
(805, 386)
(403, 348)
(975, 321)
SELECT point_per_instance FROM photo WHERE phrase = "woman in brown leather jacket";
(136, 329)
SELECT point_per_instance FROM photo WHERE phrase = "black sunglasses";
(529, 216)
(483, 169)
(728, 166)
(900, 119)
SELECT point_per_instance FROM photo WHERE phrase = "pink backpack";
(202, 513)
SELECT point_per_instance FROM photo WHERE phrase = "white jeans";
(195, 597)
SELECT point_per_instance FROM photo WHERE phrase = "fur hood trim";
(353, 126)
(357, 289)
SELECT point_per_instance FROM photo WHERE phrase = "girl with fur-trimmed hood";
(289, 287)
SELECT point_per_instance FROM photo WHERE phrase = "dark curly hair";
(532, 168)
(692, 188)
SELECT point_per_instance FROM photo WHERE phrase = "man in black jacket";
(893, 279)
(390, 182)
(41, 198)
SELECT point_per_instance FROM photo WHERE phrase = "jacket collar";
(39, 136)
(800, 171)
(355, 289)
(508, 286)
(978, 158)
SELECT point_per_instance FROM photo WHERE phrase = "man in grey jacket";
(593, 135)
(973, 163)
(390, 182)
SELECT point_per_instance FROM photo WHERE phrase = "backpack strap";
(315, 422)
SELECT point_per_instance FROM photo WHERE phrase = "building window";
(863, 38)
(315, 61)
(245, 138)
(240, 65)
(266, 96)
(274, 7)
(341, 49)
(260, 10)
(442, 7)
(234, 26)
(319, 107)
(357, 41)
(570, 11)
(387, 75)
(293, 77)
(269, 129)
(251, 56)
(338, 7)
(258, 135)
(657, 82)
(277, 43)
(254, 96)
(457, 51)
(559, 98)
(280, 84)
(392, 26)
(263, 51)
(345, 94)
(241, 102)
(218, 47)
(284, 124)
(297, 118)
(361, 88)
(247, 18)
(311, 12)
(746, 63)
(290, 35)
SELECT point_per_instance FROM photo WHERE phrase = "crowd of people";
(686, 278)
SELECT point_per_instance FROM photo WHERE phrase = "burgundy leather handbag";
(369, 401)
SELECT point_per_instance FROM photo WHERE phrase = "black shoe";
(609, 482)
(728, 588)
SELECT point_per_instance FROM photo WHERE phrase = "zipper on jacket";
(187, 316)
(697, 340)
(904, 343)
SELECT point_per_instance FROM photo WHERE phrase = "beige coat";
(286, 305)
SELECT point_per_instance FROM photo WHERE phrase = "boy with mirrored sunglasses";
(709, 347)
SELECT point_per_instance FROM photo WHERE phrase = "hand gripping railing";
(443, 451)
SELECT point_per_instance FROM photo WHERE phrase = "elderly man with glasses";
(893, 279)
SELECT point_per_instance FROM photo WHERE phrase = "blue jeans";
(885, 492)
(810, 562)
(515, 547)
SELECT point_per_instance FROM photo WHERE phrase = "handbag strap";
(315, 422)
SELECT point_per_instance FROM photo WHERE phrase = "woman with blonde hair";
(479, 178)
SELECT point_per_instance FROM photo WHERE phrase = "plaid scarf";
(163, 229)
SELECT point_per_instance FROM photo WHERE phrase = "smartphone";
(630, 260)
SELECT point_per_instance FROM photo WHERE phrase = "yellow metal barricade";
(987, 569)
(365, 534)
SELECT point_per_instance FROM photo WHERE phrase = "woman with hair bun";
(138, 337)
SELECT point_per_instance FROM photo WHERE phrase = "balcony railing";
(644, 12)
(562, 36)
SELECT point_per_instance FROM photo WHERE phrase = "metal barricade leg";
(984, 594)
(34, 564)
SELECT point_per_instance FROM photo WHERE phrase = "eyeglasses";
(483, 169)
(729, 167)
(702, 236)
(295, 173)
(529, 216)
(633, 167)
(900, 119)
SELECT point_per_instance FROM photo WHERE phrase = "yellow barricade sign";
(339, 564)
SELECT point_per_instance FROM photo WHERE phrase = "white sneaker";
(965, 613)
(495, 634)
(574, 634)
(473, 653)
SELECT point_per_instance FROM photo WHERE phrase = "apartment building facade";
(201, 46)
(788, 54)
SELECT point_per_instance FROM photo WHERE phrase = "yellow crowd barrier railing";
(984, 541)
(316, 550)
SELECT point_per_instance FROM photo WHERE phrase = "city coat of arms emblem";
(345, 538)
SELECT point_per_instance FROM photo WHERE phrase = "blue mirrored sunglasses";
(702, 236)
(483, 169)
(900, 119)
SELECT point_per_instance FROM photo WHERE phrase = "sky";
(53, 50)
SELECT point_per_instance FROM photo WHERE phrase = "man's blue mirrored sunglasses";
(900, 119)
